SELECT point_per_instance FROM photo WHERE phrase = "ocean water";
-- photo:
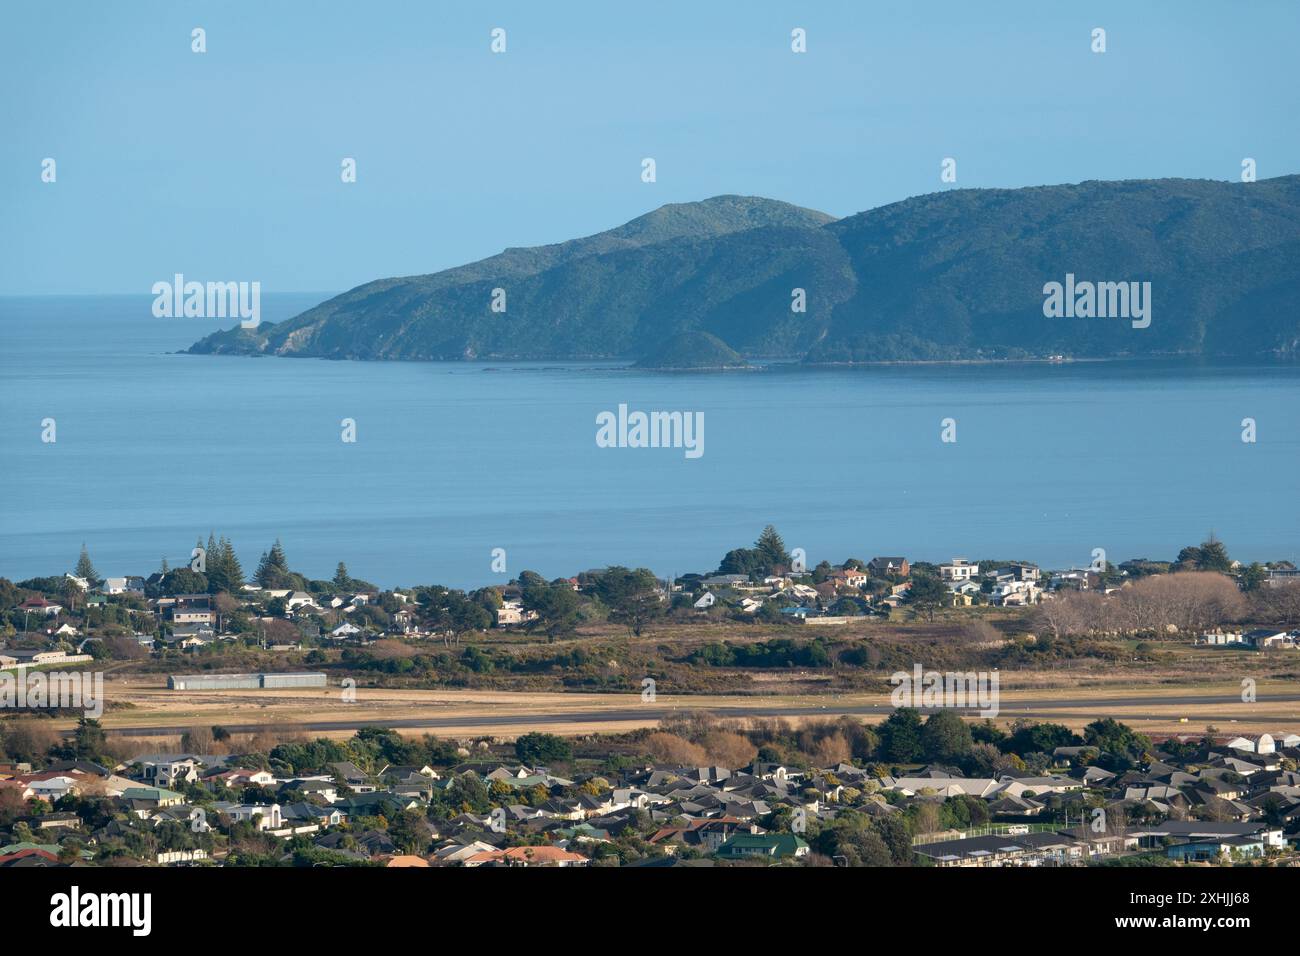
(155, 449)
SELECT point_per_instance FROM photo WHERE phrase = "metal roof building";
(245, 681)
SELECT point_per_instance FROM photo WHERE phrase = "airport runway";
(1120, 708)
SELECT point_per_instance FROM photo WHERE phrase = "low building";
(30, 658)
(775, 845)
(1220, 638)
(245, 681)
(1204, 832)
(1262, 637)
(1028, 849)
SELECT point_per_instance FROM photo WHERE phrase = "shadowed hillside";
(951, 275)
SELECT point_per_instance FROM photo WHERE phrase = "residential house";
(527, 856)
(164, 771)
(775, 845)
(299, 600)
(512, 612)
(1264, 637)
(887, 566)
(38, 605)
(848, 577)
(958, 570)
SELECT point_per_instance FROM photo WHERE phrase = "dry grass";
(143, 702)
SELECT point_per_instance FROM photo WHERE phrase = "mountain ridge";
(951, 275)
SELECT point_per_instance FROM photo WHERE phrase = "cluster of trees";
(273, 571)
(447, 611)
(781, 652)
(905, 737)
(1209, 555)
(633, 598)
(630, 597)
(1186, 602)
(859, 839)
(539, 748)
(32, 740)
(219, 569)
(371, 749)
(555, 603)
(767, 556)
(985, 750)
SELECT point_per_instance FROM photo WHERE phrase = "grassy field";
(590, 682)
(1149, 707)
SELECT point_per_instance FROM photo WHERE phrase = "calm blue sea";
(452, 460)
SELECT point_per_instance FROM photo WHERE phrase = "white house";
(167, 771)
(298, 599)
(800, 593)
(959, 569)
(1265, 637)
(512, 612)
(128, 585)
(262, 817)
(1015, 593)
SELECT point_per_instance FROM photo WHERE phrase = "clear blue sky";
(226, 165)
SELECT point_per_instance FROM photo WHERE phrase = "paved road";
(1121, 708)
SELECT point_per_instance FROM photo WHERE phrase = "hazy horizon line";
(836, 218)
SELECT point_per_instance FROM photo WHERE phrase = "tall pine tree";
(224, 570)
(772, 548)
(233, 570)
(85, 567)
(273, 569)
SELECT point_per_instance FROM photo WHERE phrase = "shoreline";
(763, 363)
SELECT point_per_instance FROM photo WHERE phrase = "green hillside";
(951, 275)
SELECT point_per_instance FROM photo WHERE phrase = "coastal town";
(79, 615)
(1038, 797)
(357, 521)
(921, 785)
